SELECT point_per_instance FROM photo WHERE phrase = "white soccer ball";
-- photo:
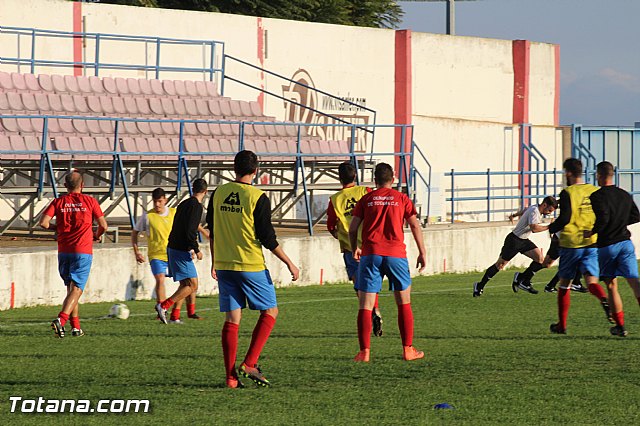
(119, 310)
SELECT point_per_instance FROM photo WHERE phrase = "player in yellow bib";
(577, 251)
(338, 221)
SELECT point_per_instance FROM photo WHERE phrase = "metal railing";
(47, 155)
(216, 48)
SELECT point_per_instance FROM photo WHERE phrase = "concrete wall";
(115, 275)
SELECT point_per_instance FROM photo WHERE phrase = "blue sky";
(599, 47)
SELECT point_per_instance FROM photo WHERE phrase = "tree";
(365, 13)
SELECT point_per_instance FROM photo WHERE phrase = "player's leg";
(352, 272)
(182, 269)
(368, 284)
(397, 271)
(231, 301)
(629, 268)
(523, 280)
(191, 307)
(74, 319)
(176, 311)
(74, 269)
(478, 287)
(261, 296)
(615, 303)
(570, 259)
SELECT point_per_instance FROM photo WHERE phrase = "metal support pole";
(451, 17)
(488, 195)
(453, 206)
(157, 58)
(96, 60)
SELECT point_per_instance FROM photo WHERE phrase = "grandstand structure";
(130, 135)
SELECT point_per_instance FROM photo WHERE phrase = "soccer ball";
(119, 310)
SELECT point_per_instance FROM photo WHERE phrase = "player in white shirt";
(518, 242)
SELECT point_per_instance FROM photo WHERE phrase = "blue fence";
(37, 36)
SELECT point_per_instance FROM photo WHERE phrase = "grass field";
(492, 358)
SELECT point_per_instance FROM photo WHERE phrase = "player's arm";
(332, 220)
(203, 231)
(516, 214)
(102, 228)
(209, 220)
(45, 220)
(565, 213)
(195, 215)
(599, 207)
(538, 227)
(416, 230)
(267, 235)
(353, 236)
(140, 226)
(634, 214)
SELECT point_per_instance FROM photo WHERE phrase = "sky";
(599, 47)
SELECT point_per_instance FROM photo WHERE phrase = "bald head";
(73, 181)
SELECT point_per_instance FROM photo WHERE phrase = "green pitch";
(492, 358)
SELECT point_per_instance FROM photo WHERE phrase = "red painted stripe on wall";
(77, 41)
(403, 89)
(521, 50)
(261, 61)
(556, 98)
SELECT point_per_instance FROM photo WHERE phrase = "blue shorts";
(584, 259)
(373, 268)
(181, 265)
(618, 260)
(239, 287)
(74, 267)
(351, 265)
(159, 267)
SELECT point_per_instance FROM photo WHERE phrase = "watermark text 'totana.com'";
(42, 405)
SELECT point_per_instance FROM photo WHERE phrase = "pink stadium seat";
(104, 145)
(292, 130)
(190, 129)
(142, 105)
(54, 127)
(61, 143)
(5, 82)
(144, 127)
(93, 127)
(153, 145)
(66, 126)
(68, 106)
(107, 127)
(236, 109)
(29, 103)
(201, 89)
(249, 131)
(180, 109)
(80, 102)
(156, 128)
(191, 145)
(106, 105)
(245, 108)
(202, 108)
(191, 108)
(214, 146)
(118, 105)
(55, 103)
(84, 85)
(156, 87)
(134, 86)
(71, 83)
(80, 126)
(261, 147)
(15, 102)
(145, 87)
(59, 85)
(130, 106)
(190, 87)
(214, 129)
(169, 128)
(203, 129)
(214, 107)
(10, 125)
(5, 145)
(180, 87)
(96, 85)
(129, 145)
(42, 101)
(250, 145)
(256, 111)
(281, 130)
(156, 106)
(130, 128)
(122, 87)
(260, 130)
(93, 103)
(109, 86)
(24, 126)
(45, 82)
(229, 129)
(212, 89)
(18, 81)
(168, 108)
(89, 144)
(4, 103)
(26, 143)
(169, 88)
(32, 83)
(225, 108)
(169, 145)
(37, 124)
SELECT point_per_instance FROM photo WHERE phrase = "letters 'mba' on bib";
(236, 247)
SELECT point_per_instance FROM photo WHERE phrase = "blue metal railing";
(215, 47)
(47, 153)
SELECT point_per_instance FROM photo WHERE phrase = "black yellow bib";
(343, 203)
(236, 247)
(582, 217)
(159, 230)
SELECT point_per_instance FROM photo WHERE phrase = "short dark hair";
(73, 180)
(245, 163)
(573, 166)
(605, 169)
(158, 193)
(346, 173)
(383, 174)
(550, 201)
(199, 186)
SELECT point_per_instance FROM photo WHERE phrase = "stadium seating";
(150, 99)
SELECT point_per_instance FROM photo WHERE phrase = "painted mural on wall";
(336, 111)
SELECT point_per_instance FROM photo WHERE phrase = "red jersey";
(383, 213)
(74, 215)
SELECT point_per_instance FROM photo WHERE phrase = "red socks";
(167, 304)
(191, 309)
(618, 318)
(364, 328)
(376, 304)
(564, 301)
(597, 291)
(175, 314)
(259, 338)
(63, 318)
(230, 347)
(405, 324)
(75, 322)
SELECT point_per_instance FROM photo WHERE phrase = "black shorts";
(514, 245)
(554, 248)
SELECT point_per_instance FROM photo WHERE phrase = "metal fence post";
(33, 51)
(157, 58)
(488, 195)
(96, 60)
(453, 205)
